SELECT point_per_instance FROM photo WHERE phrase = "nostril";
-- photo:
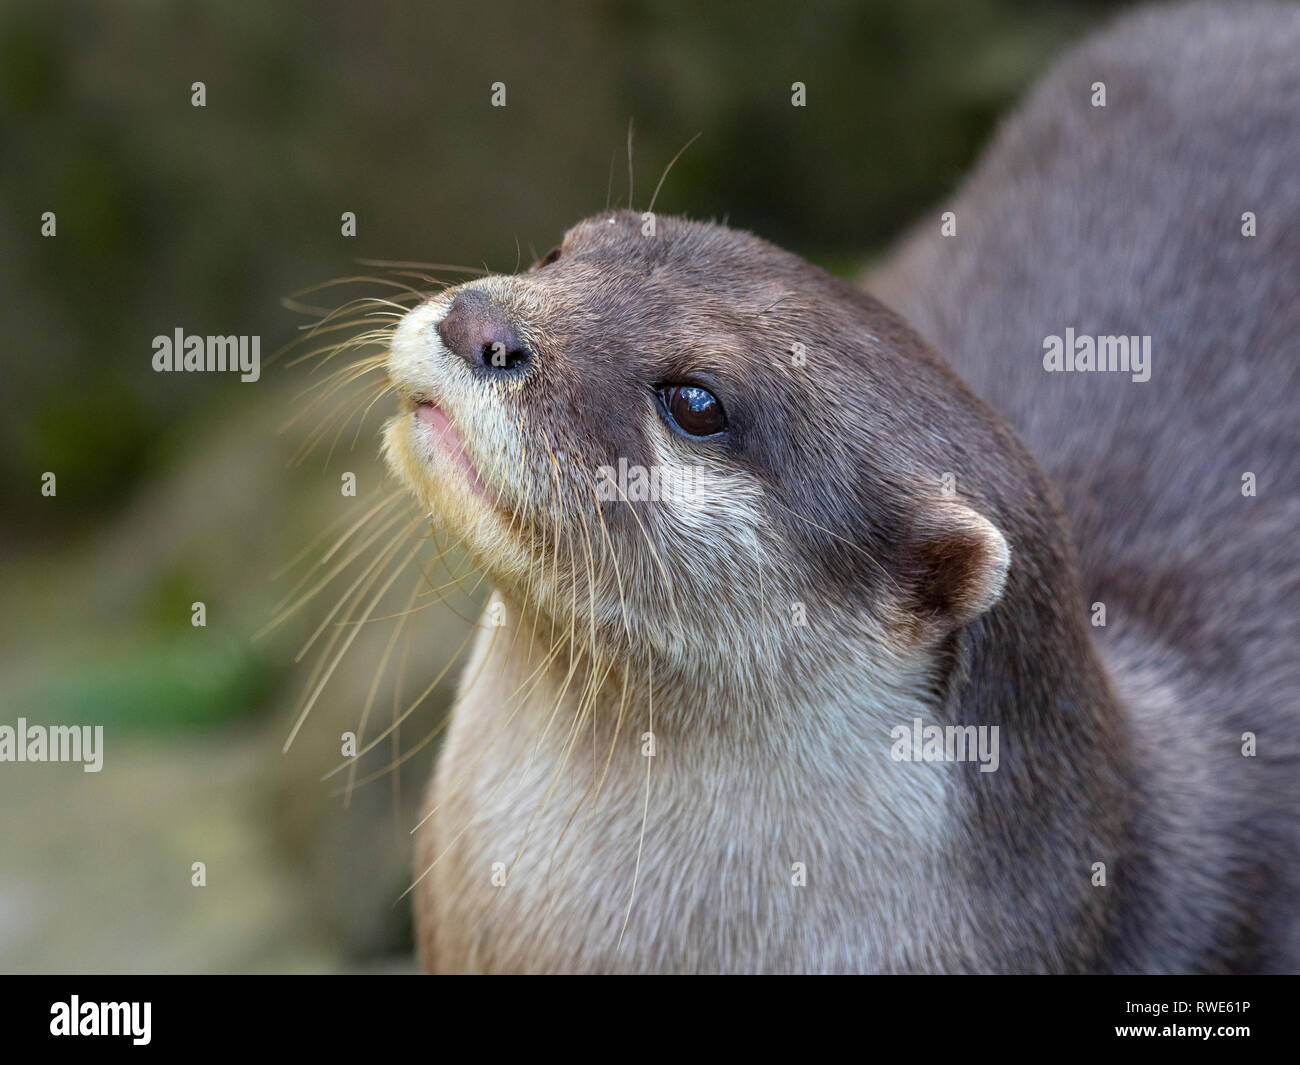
(497, 356)
(478, 331)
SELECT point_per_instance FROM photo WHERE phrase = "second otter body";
(682, 741)
(1143, 219)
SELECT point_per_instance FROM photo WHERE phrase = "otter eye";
(551, 256)
(692, 409)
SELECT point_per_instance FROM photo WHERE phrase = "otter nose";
(478, 331)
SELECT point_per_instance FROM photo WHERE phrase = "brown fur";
(1127, 219)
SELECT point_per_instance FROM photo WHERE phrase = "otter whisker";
(609, 552)
(645, 806)
(399, 689)
(439, 602)
(769, 656)
(592, 793)
(366, 412)
(363, 751)
(374, 689)
(407, 712)
(440, 560)
(355, 592)
(327, 353)
(362, 583)
(339, 382)
(680, 152)
(663, 572)
(521, 692)
(388, 500)
(281, 611)
(339, 657)
(609, 188)
(576, 658)
(451, 843)
(612, 556)
(359, 279)
(471, 571)
(629, 164)
(392, 767)
(361, 418)
(848, 543)
(405, 265)
(585, 711)
(328, 419)
(325, 581)
(369, 362)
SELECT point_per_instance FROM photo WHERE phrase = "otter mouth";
(438, 434)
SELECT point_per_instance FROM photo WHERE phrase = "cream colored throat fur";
(555, 842)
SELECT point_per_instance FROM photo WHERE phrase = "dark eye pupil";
(695, 410)
(551, 256)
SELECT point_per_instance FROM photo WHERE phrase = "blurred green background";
(173, 489)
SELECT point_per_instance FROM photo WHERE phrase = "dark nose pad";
(476, 329)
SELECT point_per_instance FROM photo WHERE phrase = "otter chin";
(750, 533)
(436, 433)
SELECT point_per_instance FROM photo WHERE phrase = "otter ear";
(958, 565)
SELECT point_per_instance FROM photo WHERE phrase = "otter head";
(695, 446)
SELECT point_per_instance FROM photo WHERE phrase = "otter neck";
(788, 691)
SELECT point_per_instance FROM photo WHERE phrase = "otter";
(683, 740)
